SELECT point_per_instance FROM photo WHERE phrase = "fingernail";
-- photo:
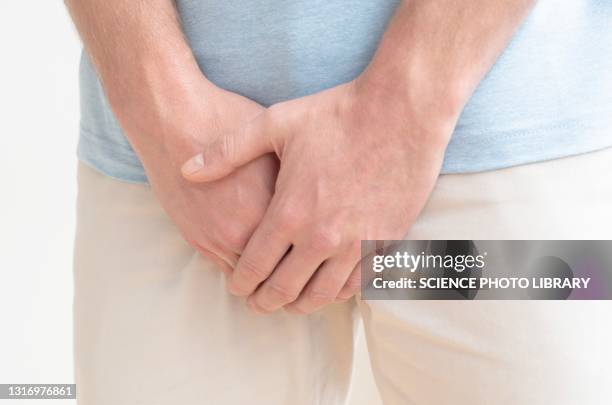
(193, 165)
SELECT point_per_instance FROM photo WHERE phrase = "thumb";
(231, 151)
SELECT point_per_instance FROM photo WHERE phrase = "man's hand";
(358, 161)
(354, 167)
(168, 110)
(216, 218)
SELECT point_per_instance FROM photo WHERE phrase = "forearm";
(435, 52)
(141, 56)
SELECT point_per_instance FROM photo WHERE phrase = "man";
(362, 125)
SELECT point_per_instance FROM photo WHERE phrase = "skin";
(169, 110)
(376, 142)
(338, 184)
(215, 218)
(358, 161)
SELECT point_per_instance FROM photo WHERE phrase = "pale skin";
(358, 161)
(168, 110)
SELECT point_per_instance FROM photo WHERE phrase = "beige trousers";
(154, 324)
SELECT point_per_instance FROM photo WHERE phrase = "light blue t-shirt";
(548, 96)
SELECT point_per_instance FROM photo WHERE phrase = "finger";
(263, 252)
(221, 264)
(325, 285)
(225, 262)
(356, 280)
(231, 151)
(216, 249)
(352, 285)
(287, 281)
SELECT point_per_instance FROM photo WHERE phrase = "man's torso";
(547, 96)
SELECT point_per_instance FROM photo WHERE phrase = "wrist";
(414, 102)
(417, 90)
(159, 102)
(142, 71)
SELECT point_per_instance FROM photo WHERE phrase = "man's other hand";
(355, 165)
(216, 218)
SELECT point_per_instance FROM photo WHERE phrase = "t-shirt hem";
(466, 153)
(109, 158)
(473, 153)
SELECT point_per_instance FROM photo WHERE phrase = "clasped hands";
(356, 163)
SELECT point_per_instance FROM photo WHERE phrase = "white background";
(38, 136)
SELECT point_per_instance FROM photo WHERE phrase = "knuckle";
(234, 236)
(321, 296)
(325, 239)
(290, 216)
(251, 271)
(282, 293)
